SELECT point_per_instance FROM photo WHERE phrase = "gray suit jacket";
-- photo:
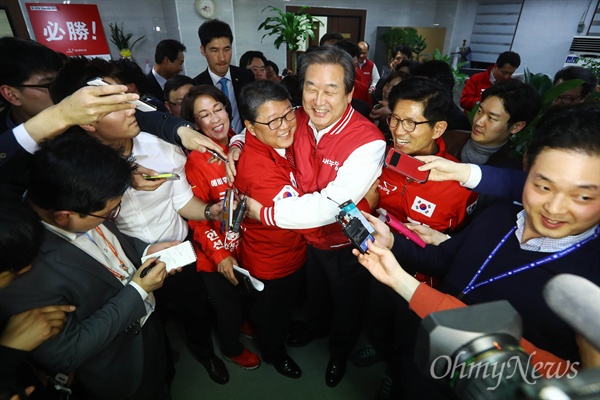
(94, 342)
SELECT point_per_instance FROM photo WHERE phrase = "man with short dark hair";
(113, 336)
(506, 108)
(168, 63)
(505, 66)
(175, 90)
(216, 39)
(255, 61)
(579, 94)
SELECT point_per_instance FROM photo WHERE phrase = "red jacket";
(365, 74)
(442, 206)
(474, 87)
(268, 252)
(209, 182)
(318, 165)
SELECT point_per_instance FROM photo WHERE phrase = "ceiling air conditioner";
(583, 47)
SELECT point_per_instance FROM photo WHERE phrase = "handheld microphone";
(576, 301)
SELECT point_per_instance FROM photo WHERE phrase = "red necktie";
(290, 157)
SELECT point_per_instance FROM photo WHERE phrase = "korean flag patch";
(286, 191)
(423, 206)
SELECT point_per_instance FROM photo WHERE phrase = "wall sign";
(72, 29)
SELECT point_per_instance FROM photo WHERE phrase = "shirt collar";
(69, 236)
(546, 244)
(216, 78)
(161, 81)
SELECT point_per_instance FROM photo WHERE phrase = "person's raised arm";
(86, 105)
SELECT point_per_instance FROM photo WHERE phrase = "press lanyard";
(554, 256)
(116, 254)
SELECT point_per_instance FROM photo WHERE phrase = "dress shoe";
(336, 368)
(287, 367)
(217, 371)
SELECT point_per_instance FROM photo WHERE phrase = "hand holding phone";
(406, 165)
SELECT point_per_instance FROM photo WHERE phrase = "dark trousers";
(335, 277)
(226, 301)
(273, 308)
(186, 291)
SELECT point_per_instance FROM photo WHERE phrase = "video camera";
(475, 350)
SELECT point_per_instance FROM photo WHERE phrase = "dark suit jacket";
(239, 78)
(153, 87)
(94, 343)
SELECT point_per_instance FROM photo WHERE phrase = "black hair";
(214, 28)
(349, 47)
(406, 63)
(396, 74)
(22, 58)
(508, 57)
(175, 83)
(572, 128)
(21, 233)
(272, 64)
(520, 100)
(75, 74)
(250, 55)
(330, 36)
(292, 85)
(255, 94)
(75, 172)
(169, 48)
(590, 81)
(404, 49)
(430, 93)
(187, 105)
(435, 69)
(129, 72)
(329, 55)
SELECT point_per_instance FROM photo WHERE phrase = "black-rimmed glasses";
(407, 124)
(276, 123)
(110, 216)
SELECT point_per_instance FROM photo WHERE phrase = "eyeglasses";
(407, 124)
(276, 123)
(110, 216)
(566, 99)
(178, 104)
(44, 86)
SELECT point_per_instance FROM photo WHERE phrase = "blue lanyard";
(554, 256)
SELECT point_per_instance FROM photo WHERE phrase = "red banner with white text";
(72, 29)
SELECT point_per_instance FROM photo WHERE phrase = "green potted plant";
(121, 39)
(407, 36)
(289, 28)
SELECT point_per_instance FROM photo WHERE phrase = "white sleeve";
(474, 177)
(375, 76)
(182, 191)
(239, 137)
(353, 180)
(23, 138)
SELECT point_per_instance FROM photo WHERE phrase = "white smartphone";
(140, 105)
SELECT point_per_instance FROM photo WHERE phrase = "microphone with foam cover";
(576, 301)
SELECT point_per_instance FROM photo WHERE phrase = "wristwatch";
(207, 212)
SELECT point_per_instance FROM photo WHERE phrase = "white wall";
(545, 31)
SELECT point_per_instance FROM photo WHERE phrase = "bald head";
(364, 51)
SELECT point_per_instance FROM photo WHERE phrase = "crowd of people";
(82, 202)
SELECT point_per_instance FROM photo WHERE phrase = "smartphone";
(406, 165)
(170, 176)
(220, 157)
(140, 105)
(355, 226)
(377, 106)
(228, 212)
(400, 227)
